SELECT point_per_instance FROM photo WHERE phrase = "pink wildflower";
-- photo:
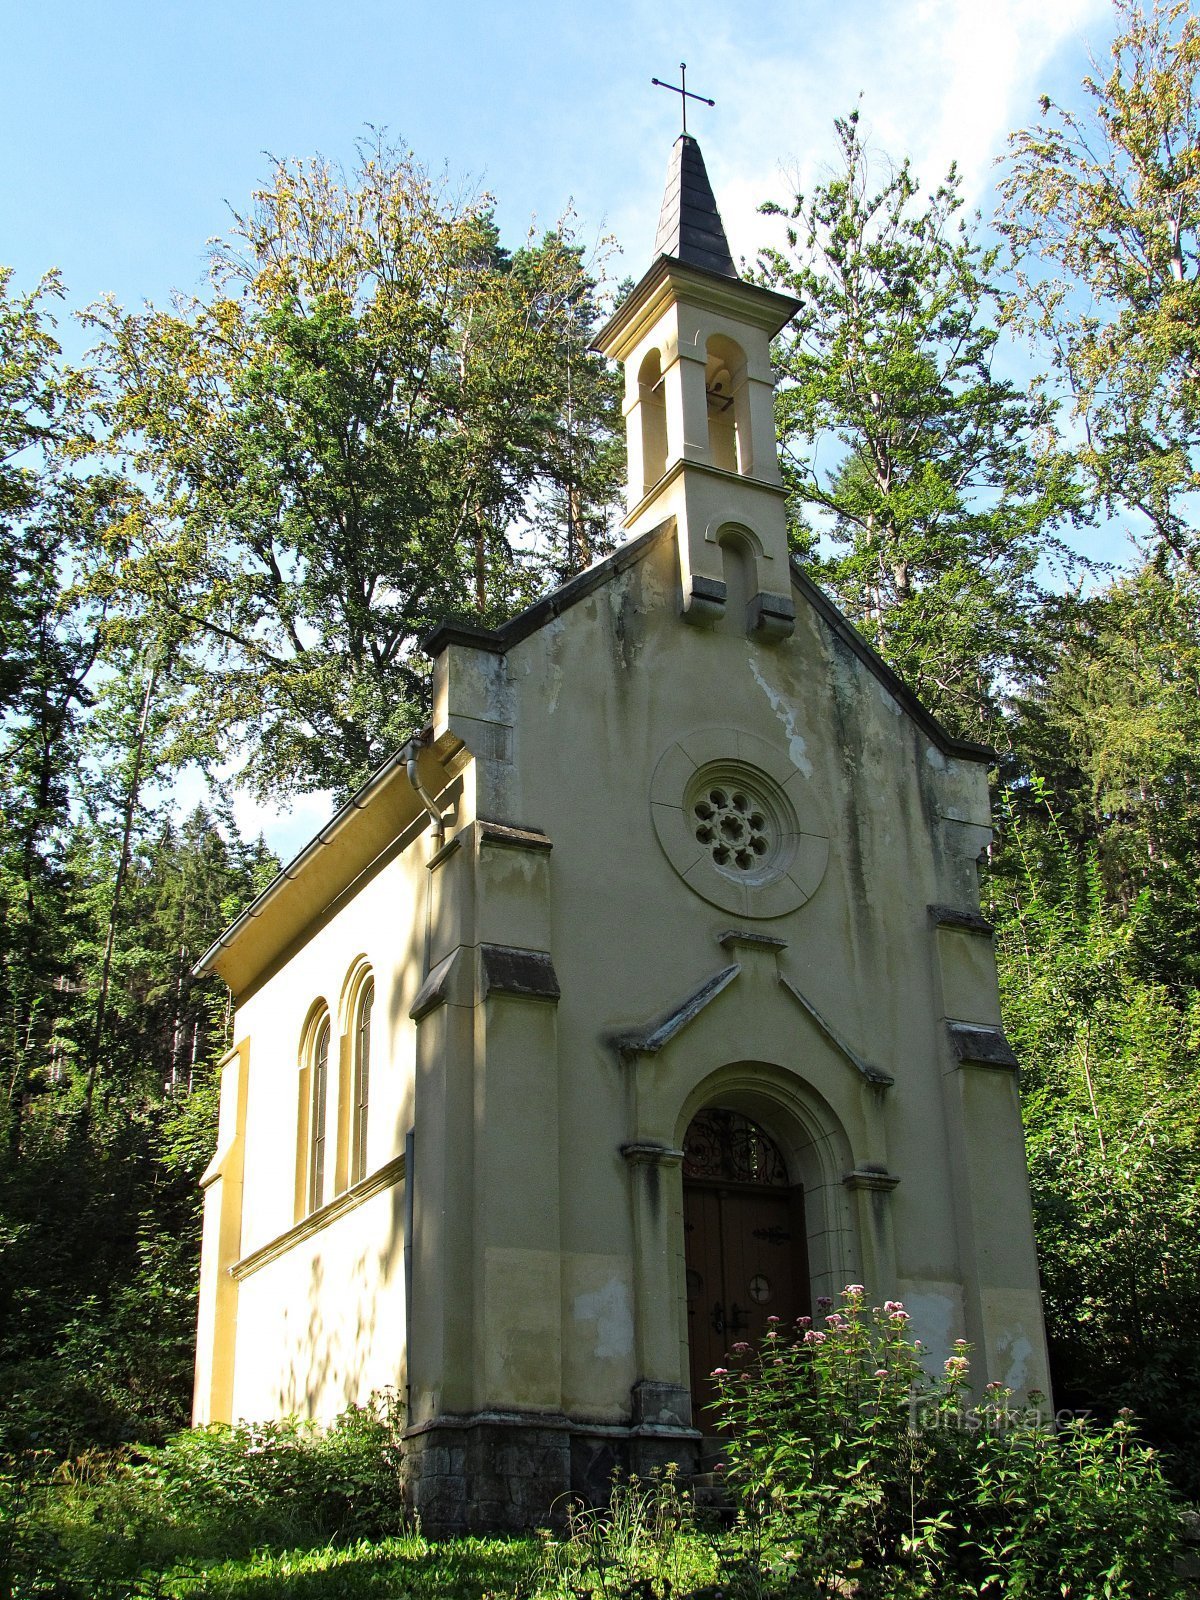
(813, 1337)
(881, 1372)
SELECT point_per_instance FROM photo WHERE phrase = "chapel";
(642, 996)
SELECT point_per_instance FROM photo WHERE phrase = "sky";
(129, 129)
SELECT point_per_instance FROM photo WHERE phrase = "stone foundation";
(498, 1472)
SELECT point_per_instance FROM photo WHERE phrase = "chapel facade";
(642, 996)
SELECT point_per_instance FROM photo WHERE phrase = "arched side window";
(728, 414)
(318, 1116)
(653, 407)
(313, 1113)
(360, 1098)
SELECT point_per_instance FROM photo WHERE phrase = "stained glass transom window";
(725, 1145)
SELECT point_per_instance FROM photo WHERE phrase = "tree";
(1102, 210)
(99, 1214)
(337, 442)
(935, 483)
(1113, 733)
(50, 645)
(1110, 1076)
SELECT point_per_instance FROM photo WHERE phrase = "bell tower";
(695, 344)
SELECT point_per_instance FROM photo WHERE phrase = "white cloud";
(941, 81)
(287, 826)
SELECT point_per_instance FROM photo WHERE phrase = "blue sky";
(128, 128)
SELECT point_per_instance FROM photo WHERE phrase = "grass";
(285, 1510)
(401, 1566)
(128, 1534)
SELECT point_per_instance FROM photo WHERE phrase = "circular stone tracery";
(732, 827)
(741, 819)
(739, 822)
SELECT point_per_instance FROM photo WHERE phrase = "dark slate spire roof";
(689, 225)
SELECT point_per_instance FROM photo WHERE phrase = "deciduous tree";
(1102, 208)
(924, 489)
(337, 444)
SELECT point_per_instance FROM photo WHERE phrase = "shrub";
(221, 1492)
(853, 1469)
(279, 1480)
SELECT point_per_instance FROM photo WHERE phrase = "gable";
(561, 601)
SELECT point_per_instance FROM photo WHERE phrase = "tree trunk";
(114, 911)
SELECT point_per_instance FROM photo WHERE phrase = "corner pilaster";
(989, 1171)
(216, 1321)
(661, 1394)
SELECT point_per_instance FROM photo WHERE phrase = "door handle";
(718, 1318)
(738, 1319)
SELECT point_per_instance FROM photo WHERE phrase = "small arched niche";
(652, 408)
(738, 550)
(728, 415)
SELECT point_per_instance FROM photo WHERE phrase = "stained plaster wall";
(589, 703)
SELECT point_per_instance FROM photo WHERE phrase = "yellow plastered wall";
(223, 1188)
(321, 1319)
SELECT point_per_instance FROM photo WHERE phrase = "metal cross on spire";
(681, 89)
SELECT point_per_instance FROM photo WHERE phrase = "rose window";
(732, 828)
(724, 804)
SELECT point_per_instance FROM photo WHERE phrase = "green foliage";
(1102, 209)
(335, 445)
(1111, 1074)
(934, 485)
(207, 1495)
(636, 1544)
(49, 646)
(853, 1469)
(1113, 734)
(99, 1209)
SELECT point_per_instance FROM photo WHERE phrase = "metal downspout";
(422, 793)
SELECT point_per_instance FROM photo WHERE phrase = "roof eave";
(214, 958)
(765, 308)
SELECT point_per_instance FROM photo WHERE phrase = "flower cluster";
(849, 1458)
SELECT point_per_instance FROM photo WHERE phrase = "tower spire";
(689, 225)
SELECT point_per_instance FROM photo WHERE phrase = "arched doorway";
(744, 1242)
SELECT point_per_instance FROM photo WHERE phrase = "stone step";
(709, 1494)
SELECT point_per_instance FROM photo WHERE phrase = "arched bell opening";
(745, 1242)
(728, 416)
(652, 408)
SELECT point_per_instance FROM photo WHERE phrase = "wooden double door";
(744, 1244)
